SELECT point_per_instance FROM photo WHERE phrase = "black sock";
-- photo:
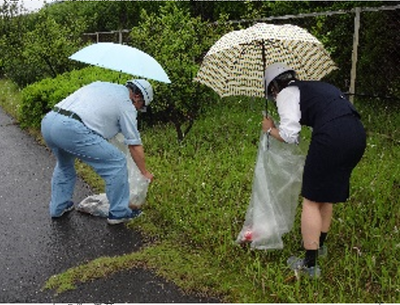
(322, 238)
(311, 258)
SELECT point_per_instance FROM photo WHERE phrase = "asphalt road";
(34, 247)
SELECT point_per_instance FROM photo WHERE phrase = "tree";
(49, 44)
(178, 42)
(103, 16)
(38, 47)
(12, 28)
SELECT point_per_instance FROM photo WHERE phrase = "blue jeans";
(70, 139)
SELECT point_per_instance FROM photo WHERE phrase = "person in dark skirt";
(338, 142)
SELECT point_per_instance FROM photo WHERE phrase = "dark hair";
(281, 81)
(134, 88)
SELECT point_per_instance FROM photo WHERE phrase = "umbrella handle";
(265, 114)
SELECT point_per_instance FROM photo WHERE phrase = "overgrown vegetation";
(205, 212)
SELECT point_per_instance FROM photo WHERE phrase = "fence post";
(354, 58)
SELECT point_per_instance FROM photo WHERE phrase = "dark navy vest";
(321, 102)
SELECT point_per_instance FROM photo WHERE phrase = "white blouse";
(288, 103)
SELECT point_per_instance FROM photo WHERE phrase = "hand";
(267, 123)
(149, 176)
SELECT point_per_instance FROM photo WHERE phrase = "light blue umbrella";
(121, 58)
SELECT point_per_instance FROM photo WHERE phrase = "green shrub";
(40, 97)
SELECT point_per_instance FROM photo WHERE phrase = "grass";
(10, 99)
(197, 204)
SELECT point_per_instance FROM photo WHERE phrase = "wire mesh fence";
(363, 42)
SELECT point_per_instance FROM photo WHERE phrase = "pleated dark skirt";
(335, 149)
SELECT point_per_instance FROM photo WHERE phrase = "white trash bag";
(98, 205)
(275, 193)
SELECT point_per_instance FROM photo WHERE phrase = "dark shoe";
(299, 267)
(116, 221)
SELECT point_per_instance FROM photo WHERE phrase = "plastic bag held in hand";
(98, 205)
(275, 194)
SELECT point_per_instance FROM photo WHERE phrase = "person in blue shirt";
(79, 126)
(337, 144)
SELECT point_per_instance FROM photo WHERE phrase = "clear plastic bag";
(138, 184)
(275, 194)
(98, 205)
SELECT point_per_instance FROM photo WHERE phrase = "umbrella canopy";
(235, 64)
(121, 58)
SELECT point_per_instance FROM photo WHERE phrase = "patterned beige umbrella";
(235, 64)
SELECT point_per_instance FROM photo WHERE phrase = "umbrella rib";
(240, 55)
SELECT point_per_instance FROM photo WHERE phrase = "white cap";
(273, 71)
(144, 87)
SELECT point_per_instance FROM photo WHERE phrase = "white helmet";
(273, 71)
(144, 87)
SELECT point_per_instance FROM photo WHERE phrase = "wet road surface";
(34, 247)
